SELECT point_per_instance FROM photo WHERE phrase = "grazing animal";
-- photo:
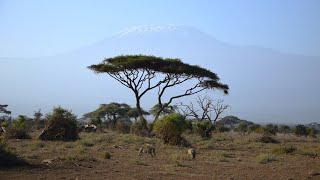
(149, 149)
(192, 153)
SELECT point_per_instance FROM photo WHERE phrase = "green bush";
(170, 128)
(62, 125)
(5, 123)
(18, 129)
(260, 130)
(8, 158)
(203, 128)
(312, 132)
(254, 128)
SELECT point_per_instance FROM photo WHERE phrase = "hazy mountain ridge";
(268, 76)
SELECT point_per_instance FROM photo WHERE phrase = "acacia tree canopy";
(3, 109)
(142, 73)
(113, 111)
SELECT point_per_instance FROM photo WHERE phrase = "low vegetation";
(62, 125)
(170, 128)
(266, 158)
(8, 158)
(18, 129)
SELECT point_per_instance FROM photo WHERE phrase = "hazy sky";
(37, 28)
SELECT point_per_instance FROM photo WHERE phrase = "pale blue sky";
(30, 28)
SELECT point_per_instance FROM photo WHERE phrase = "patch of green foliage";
(18, 129)
(170, 128)
(62, 125)
(203, 128)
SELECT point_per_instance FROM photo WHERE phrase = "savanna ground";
(224, 156)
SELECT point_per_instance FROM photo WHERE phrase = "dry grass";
(115, 156)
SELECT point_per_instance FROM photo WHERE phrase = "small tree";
(205, 108)
(109, 112)
(142, 74)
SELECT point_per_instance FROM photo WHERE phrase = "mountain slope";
(266, 85)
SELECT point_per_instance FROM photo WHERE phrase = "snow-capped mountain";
(266, 85)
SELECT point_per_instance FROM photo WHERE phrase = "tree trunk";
(142, 119)
(161, 108)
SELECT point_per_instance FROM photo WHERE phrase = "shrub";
(170, 128)
(123, 125)
(107, 155)
(271, 129)
(203, 128)
(312, 132)
(222, 129)
(5, 123)
(284, 129)
(139, 129)
(189, 125)
(266, 158)
(301, 130)
(242, 128)
(8, 158)
(260, 130)
(253, 128)
(18, 129)
(286, 149)
(267, 139)
(96, 121)
(62, 125)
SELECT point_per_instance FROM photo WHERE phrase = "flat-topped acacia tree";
(142, 73)
(3, 109)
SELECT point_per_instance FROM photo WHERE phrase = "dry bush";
(285, 149)
(139, 129)
(266, 158)
(267, 139)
